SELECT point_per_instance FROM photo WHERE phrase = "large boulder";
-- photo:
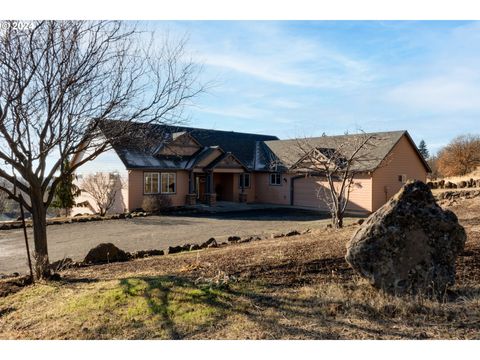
(409, 245)
(105, 253)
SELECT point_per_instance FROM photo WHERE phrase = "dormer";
(181, 144)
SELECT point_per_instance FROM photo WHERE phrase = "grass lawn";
(287, 288)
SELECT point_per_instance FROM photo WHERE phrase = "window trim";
(249, 181)
(279, 179)
(145, 182)
(159, 183)
(174, 183)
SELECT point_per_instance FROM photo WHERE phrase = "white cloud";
(269, 53)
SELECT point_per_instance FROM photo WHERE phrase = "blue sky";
(290, 78)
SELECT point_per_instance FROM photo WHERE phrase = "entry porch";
(223, 180)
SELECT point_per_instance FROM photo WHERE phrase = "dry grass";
(288, 288)
(455, 179)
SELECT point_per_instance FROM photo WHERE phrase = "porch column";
(211, 196)
(191, 183)
(210, 185)
(191, 196)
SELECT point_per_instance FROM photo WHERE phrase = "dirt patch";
(13, 285)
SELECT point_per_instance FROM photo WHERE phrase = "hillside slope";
(289, 288)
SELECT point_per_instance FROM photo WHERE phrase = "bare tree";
(338, 164)
(60, 81)
(103, 188)
(460, 157)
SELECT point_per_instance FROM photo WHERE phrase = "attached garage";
(306, 192)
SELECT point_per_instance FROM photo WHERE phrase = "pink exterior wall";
(272, 194)
(403, 160)
(310, 192)
(250, 191)
(135, 188)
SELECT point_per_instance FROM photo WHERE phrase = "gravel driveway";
(153, 232)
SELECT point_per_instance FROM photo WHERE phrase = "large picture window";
(156, 183)
(275, 179)
(168, 183)
(151, 183)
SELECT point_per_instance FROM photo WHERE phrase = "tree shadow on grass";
(180, 304)
(183, 307)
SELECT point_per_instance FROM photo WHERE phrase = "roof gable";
(182, 144)
(135, 152)
(226, 161)
(289, 152)
(205, 157)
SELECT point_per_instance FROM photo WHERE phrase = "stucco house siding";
(250, 191)
(272, 194)
(136, 187)
(402, 160)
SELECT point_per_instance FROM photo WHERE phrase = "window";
(155, 183)
(168, 183)
(150, 183)
(275, 179)
(246, 180)
(402, 178)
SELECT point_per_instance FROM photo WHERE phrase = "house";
(191, 165)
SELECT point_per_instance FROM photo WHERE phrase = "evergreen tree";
(66, 191)
(422, 148)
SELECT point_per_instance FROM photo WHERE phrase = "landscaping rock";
(194, 247)
(146, 253)
(462, 184)
(186, 247)
(210, 243)
(233, 238)
(293, 233)
(7, 226)
(409, 245)
(175, 249)
(252, 238)
(105, 253)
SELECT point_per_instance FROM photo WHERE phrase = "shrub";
(156, 203)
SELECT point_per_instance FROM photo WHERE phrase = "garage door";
(305, 193)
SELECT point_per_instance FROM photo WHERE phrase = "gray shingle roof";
(137, 149)
(257, 152)
(289, 152)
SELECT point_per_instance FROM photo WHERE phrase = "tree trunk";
(338, 219)
(39, 213)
